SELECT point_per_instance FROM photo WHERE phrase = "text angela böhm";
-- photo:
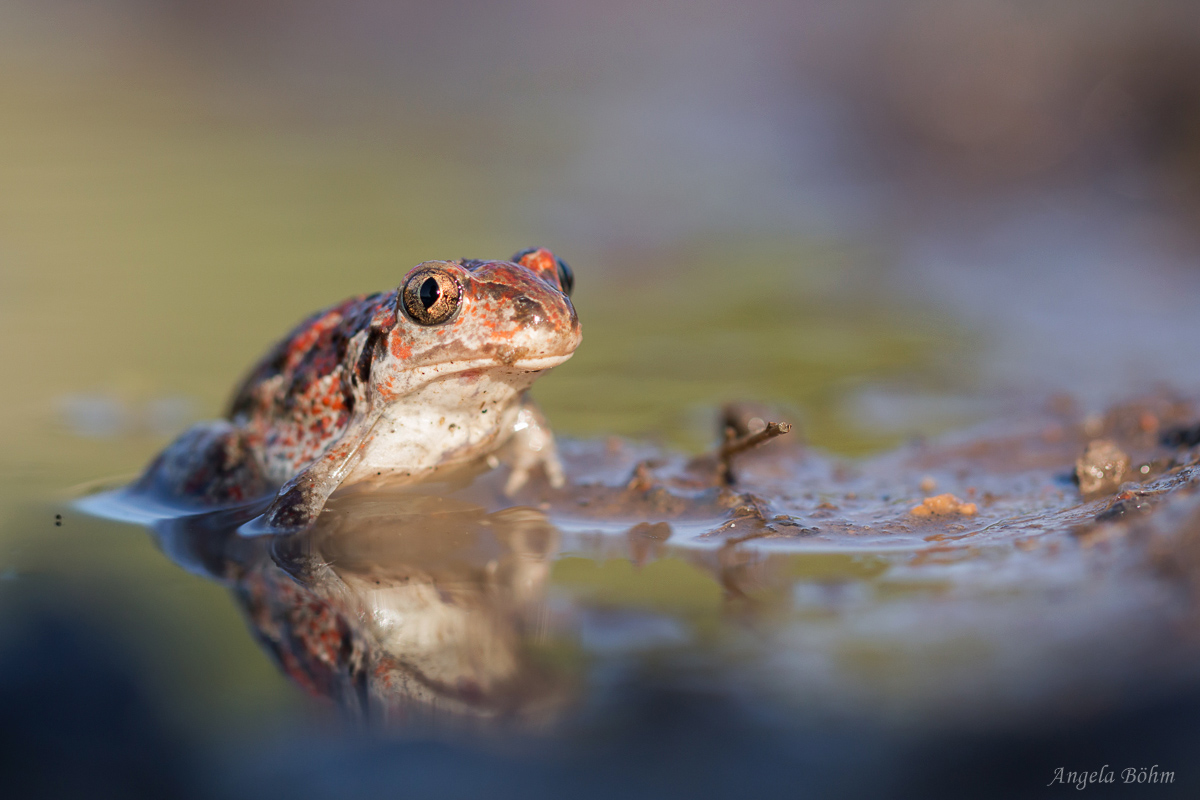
(1107, 774)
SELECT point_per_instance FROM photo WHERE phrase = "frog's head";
(472, 317)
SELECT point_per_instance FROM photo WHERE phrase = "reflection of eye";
(431, 296)
(566, 278)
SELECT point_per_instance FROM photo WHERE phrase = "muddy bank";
(1040, 568)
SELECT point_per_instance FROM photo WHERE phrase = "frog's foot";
(302, 498)
(532, 444)
(294, 509)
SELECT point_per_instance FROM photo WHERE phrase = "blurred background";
(894, 217)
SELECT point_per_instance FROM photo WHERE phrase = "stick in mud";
(733, 445)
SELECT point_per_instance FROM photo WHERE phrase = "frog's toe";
(553, 468)
(526, 459)
(516, 480)
(532, 445)
(293, 510)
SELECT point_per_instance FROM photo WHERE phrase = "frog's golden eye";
(431, 296)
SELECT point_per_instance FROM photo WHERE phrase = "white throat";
(455, 419)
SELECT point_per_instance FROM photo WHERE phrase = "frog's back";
(304, 392)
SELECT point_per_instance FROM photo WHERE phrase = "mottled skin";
(363, 390)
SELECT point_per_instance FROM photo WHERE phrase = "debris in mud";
(735, 444)
(1005, 479)
(746, 417)
(1101, 468)
(943, 505)
(801, 538)
(743, 427)
(1125, 503)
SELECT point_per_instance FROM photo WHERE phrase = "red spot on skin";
(302, 343)
(399, 349)
(387, 390)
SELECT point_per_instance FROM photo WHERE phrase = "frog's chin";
(520, 373)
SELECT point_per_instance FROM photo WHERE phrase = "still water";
(562, 632)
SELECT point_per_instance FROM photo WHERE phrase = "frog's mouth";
(540, 363)
(447, 369)
(534, 364)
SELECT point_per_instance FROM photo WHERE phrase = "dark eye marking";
(362, 370)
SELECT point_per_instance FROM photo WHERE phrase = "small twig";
(733, 445)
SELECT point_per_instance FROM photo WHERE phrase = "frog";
(391, 386)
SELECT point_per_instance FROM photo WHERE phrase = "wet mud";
(1049, 563)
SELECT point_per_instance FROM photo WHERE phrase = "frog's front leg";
(532, 444)
(301, 499)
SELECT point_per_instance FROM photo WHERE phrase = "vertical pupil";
(430, 292)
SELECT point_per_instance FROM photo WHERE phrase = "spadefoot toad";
(392, 385)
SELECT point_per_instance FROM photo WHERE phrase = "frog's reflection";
(397, 605)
